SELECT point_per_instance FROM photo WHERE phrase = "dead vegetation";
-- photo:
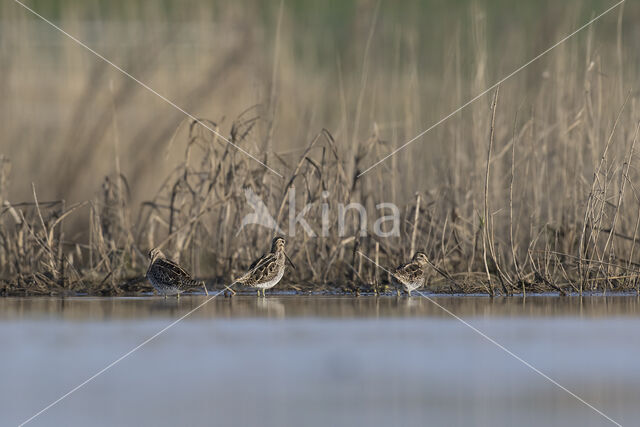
(533, 189)
(197, 213)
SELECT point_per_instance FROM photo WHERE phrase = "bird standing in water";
(168, 278)
(412, 274)
(265, 272)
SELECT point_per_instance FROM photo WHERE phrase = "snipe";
(265, 272)
(167, 277)
(412, 274)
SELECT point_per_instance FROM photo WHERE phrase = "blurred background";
(332, 64)
(117, 171)
(373, 74)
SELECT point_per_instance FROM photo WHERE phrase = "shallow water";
(315, 361)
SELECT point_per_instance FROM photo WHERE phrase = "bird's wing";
(266, 269)
(255, 263)
(173, 270)
(261, 268)
(411, 270)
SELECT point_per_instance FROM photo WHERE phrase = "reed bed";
(531, 189)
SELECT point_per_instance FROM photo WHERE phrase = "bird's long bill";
(204, 286)
(290, 262)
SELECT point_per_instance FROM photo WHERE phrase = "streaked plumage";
(266, 271)
(412, 274)
(167, 277)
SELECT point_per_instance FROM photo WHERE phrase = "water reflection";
(320, 361)
(82, 308)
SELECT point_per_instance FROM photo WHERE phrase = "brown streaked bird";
(168, 278)
(265, 272)
(412, 274)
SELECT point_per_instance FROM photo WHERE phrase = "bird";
(167, 277)
(412, 274)
(265, 272)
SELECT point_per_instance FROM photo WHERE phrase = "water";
(320, 361)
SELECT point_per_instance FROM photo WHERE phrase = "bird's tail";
(241, 279)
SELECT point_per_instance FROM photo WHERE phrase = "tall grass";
(533, 191)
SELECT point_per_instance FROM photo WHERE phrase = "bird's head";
(277, 244)
(421, 258)
(155, 253)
